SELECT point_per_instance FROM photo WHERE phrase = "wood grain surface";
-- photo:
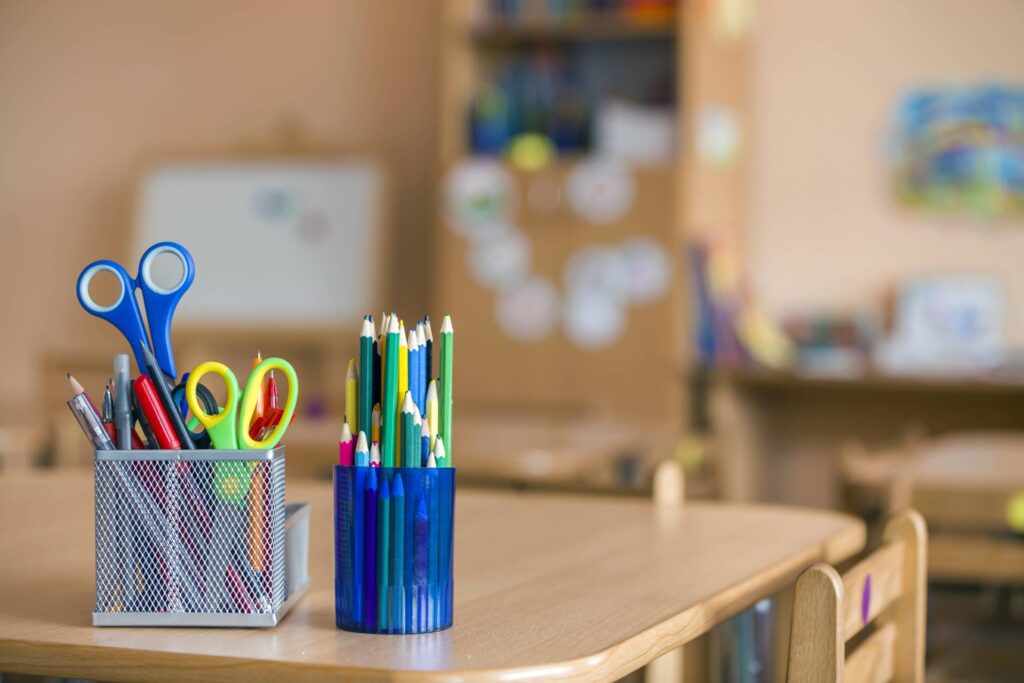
(547, 588)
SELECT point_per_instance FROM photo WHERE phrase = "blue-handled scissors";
(159, 302)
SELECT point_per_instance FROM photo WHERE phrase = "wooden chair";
(885, 593)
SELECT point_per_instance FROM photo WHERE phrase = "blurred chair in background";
(830, 610)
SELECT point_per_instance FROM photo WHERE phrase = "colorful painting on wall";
(961, 151)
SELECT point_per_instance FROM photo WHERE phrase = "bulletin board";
(566, 361)
(275, 243)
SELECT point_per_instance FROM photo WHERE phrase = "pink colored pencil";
(346, 446)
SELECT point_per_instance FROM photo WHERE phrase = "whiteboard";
(274, 243)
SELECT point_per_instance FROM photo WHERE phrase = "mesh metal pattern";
(190, 532)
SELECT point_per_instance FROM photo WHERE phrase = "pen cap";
(393, 548)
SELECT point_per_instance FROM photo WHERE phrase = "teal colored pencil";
(365, 376)
(389, 410)
(408, 429)
(383, 552)
(447, 344)
(398, 555)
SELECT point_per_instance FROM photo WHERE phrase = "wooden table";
(548, 587)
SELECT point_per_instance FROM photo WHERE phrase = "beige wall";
(824, 231)
(92, 92)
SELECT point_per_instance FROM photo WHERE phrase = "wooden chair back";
(884, 593)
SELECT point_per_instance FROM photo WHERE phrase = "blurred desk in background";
(525, 451)
(779, 434)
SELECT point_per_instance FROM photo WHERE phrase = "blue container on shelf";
(393, 532)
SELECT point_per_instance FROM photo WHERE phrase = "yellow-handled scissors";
(229, 429)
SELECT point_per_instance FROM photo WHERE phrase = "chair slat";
(870, 586)
(872, 661)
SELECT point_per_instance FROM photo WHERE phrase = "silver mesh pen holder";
(196, 538)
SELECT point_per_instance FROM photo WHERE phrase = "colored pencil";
(383, 552)
(429, 346)
(374, 454)
(389, 409)
(438, 454)
(434, 541)
(352, 395)
(362, 454)
(414, 367)
(398, 547)
(408, 428)
(421, 560)
(432, 410)
(403, 384)
(370, 550)
(358, 533)
(375, 423)
(424, 443)
(345, 446)
(446, 374)
(366, 376)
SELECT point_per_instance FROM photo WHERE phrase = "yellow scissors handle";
(221, 427)
(253, 390)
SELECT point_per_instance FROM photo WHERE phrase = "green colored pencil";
(447, 342)
(388, 411)
(383, 552)
(366, 376)
(398, 545)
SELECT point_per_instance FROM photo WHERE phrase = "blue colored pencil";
(421, 560)
(370, 551)
(424, 443)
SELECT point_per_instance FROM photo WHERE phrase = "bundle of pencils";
(394, 526)
(397, 414)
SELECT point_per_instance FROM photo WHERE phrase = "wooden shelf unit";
(687, 197)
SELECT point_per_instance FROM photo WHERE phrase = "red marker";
(150, 403)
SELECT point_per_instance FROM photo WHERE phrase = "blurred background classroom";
(776, 240)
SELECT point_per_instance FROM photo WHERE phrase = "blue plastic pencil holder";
(393, 534)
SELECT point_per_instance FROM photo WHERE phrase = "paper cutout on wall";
(601, 190)
(501, 259)
(480, 198)
(599, 270)
(528, 312)
(648, 269)
(961, 150)
(594, 319)
(718, 135)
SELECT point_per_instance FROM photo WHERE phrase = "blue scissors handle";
(160, 302)
(123, 313)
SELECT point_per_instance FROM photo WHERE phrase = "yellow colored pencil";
(403, 384)
(432, 409)
(352, 395)
(375, 424)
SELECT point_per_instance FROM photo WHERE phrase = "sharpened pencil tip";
(446, 325)
(361, 443)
